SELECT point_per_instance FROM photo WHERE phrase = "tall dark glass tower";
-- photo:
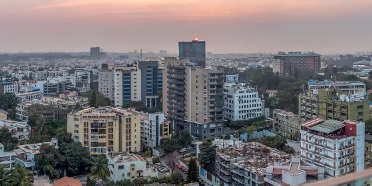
(193, 51)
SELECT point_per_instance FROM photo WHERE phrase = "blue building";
(193, 51)
(151, 82)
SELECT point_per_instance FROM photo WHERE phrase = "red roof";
(67, 181)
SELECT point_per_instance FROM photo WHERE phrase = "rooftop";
(328, 126)
(125, 157)
(297, 54)
(67, 181)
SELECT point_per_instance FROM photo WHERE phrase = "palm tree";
(99, 169)
(3, 174)
(19, 177)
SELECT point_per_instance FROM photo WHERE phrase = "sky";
(228, 26)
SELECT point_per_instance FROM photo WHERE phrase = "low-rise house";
(6, 158)
(18, 129)
(129, 166)
(25, 154)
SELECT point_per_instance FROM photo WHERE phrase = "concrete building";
(125, 166)
(333, 104)
(19, 129)
(151, 82)
(106, 83)
(293, 172)
(30, 97)
(106, 129)
(338, 146)
(241, 102)
(296, 62)
(82, 80)
(246, 163)
(8, 87)
(193, 51)
(127, 85)
(346, 87)
(286, 124)
(154, 128)
(95, 52)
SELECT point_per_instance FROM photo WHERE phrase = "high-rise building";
(95, 52)
(194, 99)
(154, 128)
(296, 62)
(127, 85)
(193, 51)
(241, 102)
(106, 129)
(106, 82)
(338, 146)
(151, 82)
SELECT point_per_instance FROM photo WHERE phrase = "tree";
(369, 127)
(8, 102)
(121, 183)
(19, 177)
(99, 170)
(7, 140)
(193, 172)
(50, 172)
(177, 141)
(176, 178)
(48, 161)
(207, 155)
(3, 174)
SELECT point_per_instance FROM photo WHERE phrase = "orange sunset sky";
(325, 26)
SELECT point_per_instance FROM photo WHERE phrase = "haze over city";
(235, 26)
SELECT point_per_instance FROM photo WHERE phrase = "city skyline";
(235, 26)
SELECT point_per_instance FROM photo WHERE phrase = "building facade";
(106, 129)
(106, 83)
(286, 124)
(127, 85)
(151, 82)
(241, 102)
(338, 146)
(193, 51)
(295, 62)
(154, 128)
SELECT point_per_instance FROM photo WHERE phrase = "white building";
(8, 87)
(347, 87)
(129, 166)
(30, 97)
(106, 83)
(241, 102)
(127, 83)
(18, 129)
(151, 129)
(338, 146)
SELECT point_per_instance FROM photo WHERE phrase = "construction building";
(338, 146)
(106, 129)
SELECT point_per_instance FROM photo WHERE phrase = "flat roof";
(328, 126)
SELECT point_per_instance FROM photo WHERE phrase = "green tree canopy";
(193, 172)
(7, 140)
(207, 155)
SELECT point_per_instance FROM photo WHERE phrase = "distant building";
(338, 146)
(234, 78)
(19, 129)
(346, 87)
(82, 80)
(106, 129)
(95, 52)
(6, 158)
(241, 102)
(106, 83)
(193, 51)
(125, 166)
(296, 62)
(8, 87)
(286, 124)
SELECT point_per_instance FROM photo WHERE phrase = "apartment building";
(338, 146)
(241, 164)
(106, 129)
(333, 104)
(154, 128)
(127, 85)
(6, 158)
(241, 102)
(82, 80)
(286, 124)
(8, 87)
(125, 166)
(203, 101)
